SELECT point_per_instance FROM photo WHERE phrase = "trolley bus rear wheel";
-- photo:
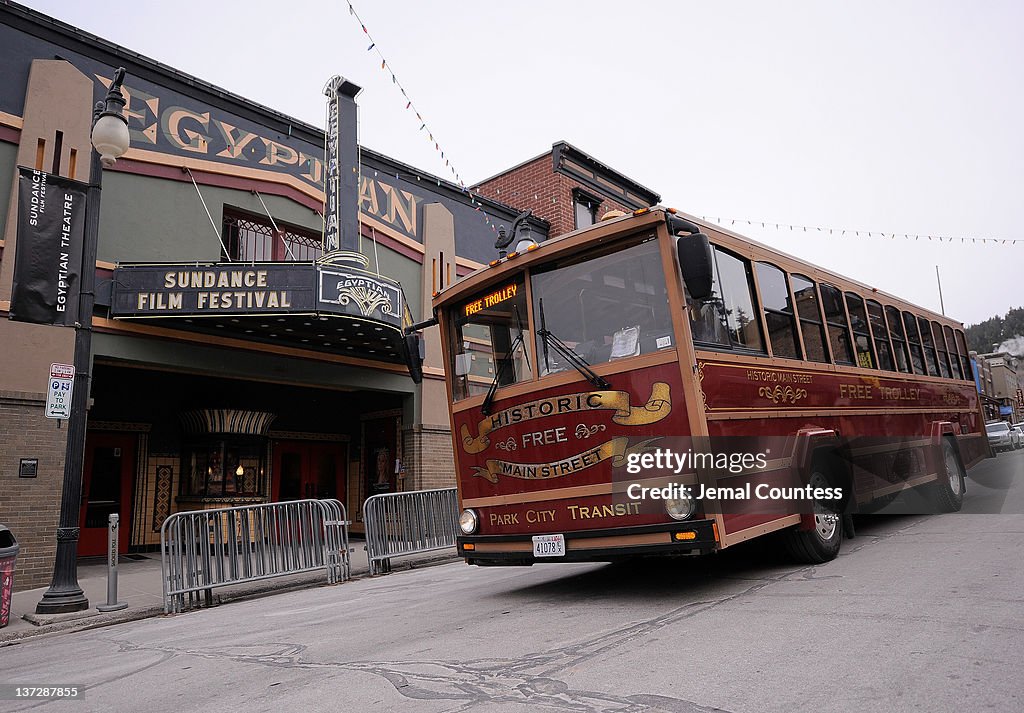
(820, 544)
(948, 490)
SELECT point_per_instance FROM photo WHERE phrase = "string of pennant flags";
(428, 133)
(424, 128)
(845, 232)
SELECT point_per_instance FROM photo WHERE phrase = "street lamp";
(110, 140)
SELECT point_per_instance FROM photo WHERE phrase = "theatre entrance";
(309, 469)
(106, 490)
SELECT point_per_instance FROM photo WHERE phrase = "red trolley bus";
(656, 385)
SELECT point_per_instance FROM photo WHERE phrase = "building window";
(585, 208)
(251, 238)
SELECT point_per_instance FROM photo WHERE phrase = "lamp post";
(110, 140)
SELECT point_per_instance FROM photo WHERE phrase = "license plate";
(549, 545)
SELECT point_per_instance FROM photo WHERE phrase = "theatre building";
(234, 361)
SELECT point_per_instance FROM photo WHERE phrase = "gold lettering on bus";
(657, 407)
(778, 377)
(900, 393)
(617, 450)
(589, 512)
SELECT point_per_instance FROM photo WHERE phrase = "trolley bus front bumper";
(680, 538)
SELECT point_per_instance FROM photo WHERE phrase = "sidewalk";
(139, 584)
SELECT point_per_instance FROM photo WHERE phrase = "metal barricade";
(409, 523)
(203, 549)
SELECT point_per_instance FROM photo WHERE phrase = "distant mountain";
(999, 334)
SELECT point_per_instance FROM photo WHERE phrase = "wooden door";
(106, 489)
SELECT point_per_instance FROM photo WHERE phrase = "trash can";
(8, 553)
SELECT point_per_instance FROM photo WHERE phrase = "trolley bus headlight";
(681, 508)
(468, 521)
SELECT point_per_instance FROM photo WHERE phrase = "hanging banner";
(48, 257)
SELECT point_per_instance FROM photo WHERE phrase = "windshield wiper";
(579, 363)
(506, 361)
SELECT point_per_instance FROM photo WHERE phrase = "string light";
(869, 233)
(409, 105)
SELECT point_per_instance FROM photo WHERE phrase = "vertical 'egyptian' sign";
(332, 236)
(48, 257)
(341, 167)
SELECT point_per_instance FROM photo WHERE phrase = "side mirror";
(463, 364)
(696, 264)
(414, 357)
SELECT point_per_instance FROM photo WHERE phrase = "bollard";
(112, 603)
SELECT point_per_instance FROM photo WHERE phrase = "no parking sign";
(59, 390)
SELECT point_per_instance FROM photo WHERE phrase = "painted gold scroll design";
(617, 450)
(657, 407)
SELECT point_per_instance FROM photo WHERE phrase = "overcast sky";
(900, 117)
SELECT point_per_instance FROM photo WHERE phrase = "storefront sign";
(209, 290)
(261, 288)
(360, 295)
(48, 257)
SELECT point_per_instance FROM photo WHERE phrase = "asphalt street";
(918, 613)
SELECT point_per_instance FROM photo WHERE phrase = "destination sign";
(497, 297)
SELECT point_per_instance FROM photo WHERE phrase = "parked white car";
(1018, 429)
(1001, 437)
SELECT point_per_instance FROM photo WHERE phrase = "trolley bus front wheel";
(948, 490)
(821, 543)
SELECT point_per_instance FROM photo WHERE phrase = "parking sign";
(59, 390)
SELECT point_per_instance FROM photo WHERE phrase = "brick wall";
(536, 186)
(429, 462)
(30, 507)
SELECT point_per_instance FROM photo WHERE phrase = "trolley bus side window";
(965, 359)
(954, 357)
(484, 327)
(808, 306)
(838, 331)
(778, 311)
(877, 318)
(914, 341)
(943, 352)
(899, 340)
(861, 333)
(728, 317)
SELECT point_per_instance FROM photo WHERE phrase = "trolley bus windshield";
(606, 304)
